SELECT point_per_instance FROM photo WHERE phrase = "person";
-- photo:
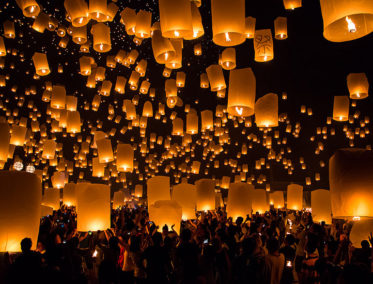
(274, 263)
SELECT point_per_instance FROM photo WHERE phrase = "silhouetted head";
(26, 244)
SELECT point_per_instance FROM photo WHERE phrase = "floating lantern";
(341, 108)
(205, 194)
(185, 195)
(49, 149)
(101, 37)
(158, 188)
(128, 18)
(198, 30)
(250, 23)
(277, 199)
(78, 12)
(79, 34)
(69, 194)
(143, 24)
(294, 197)
(215, 77)
(98, 10)
(192, 122)
(207, 120)
(263, 45)
(321, 206)
(125, 155)
(259, 200)
(281, 29)
(4, 141)
(228, 58)
(358, 85)
(30, 8)
(239, 201)
(41, 64)
(105, 151)
(9, 30)
(138, 190)
(266, 111)
(18, 136)
(58, 99)
(73, 122)
(292, 4)
(118, 199)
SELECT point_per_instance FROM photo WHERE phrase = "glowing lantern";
(58, 99)
(192, 122)
(41, 22)
(79, 34)
(358, 85)
(51, 198)
(147, 109)
(228, 22)
(128, 18)
(93, 207)
(321, 206)
(4, 141)
(118, 199)
(2, 47)
(166, 212)
(346, 20)
(350, 181)
(9, 31)
(277, 199)
(105, 151)
(98, 169)
(239, 201)
(120, 85)
(101, 37)
(207, 120)
(341, 108)
(111, 11)
(281, 29)
(143, 23)
(125, 156)
(71, 103)
(266, 111)
(69, 194)
(41, 64)
(158, 188)
(30, 8)
(49, 149)
(263, 45)
(228, 58)
(205, 194)
(58, 180)
(294, 197)
(176, 18)
(250, 23)
(241, 92)
(360, 231)
(198, 30)
(18, 136)
(138, 190)
(98, 10)
(78, 11)
(13, 197)
(185, 195)
(73, 122)
(259, 200)
(292, 4)
(180, 79)
(216, 77)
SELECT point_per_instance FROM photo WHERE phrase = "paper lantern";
(93, 207)
(19, 209)
(180, 79)
(111, 11)
(292, 4)
(41, 22)
(105, 151)
(192, 122)
(259, 201)
(166, 212)
(263, 45)
(78, 12)
(138, 190)
(98, 10)
(177, 126)
(239, 200)
(71, 103)
(58, 180)
(277, 199)
(118, 199)
(281, 29)
(30, 8)
(216, 77)
(205, 194)
(98, 169)
(58, 99)
(266, 111)
(128, 18)
(85, 65)
(175, 18)
(73, 122)
(321, 206)
(69, 194)
(198, 30)
(9, 30)
(158, 188)
(49, 149)
(79, 34)
(250, 23)
(241, 92)
(185, 195)
(120, 84)
(228, 58)
(18, 136)
(361, 231)
(147, 110)
(358, 85)
(51, 198)
(294, 197)
(143, 24)
(41, 64)
(4, 141)
(125, 155)
(228, 22)
(341, 108)
(346, 20)
(176, 61)
(207, 120)
(351, 183)
(2, 47)
(134, 80)
(101, 37)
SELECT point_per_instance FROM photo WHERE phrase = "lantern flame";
(94, 253)
(80, 20)
(356, 218)
(177, 34)
(32, 9)
(166, 56)
(227, 38)
(239, 110)
(351, 25)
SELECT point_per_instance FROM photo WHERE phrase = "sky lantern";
(198, 29)
(192, 122)
(351, 183)
(4, 141)
(177, 126)
(341, 108)
(292, 4)
(58, 180)
(69, 194)
(346, 20)
(216, 77)
(98, 10)
(241, 92)
(281, 29)
(166, 212)
(266, 111)
(250, 23)
(2, 47)
(120, 84)
(41, 22)
(58, 99)
(143, 24)
(259, 200)
(41, 64)
(118, 199)
(321, 206)
(73, 122)
(176, 18)
(18, 135)
(105, 151)
(228, 58)
(79, 34)
(205, 194)
(138, 190)
(294, 197)
(112, 10)
(93, 207)
(207, 120)
(176, 61)
(19, 209)
(239, 201)
(228, 22)
(98, 169)
(30, 8)
(263, 45)
(49, 149)
(163, 50)
(101, 37)
(358, 85)
(277, 199)
(78, 11)
(125, 155)
(128, 19)
(9, 30)
(158, 188)
(147, 109)
(186, 196)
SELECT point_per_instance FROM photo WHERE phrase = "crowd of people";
(275, 247)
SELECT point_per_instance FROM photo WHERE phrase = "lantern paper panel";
(321, 206)
(205, 194)
(166, 212)
(239, 201)
(158, 188)
(186, 196)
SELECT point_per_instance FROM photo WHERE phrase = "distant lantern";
(205, 194)
(78, 11)
(294, 197)
(186, 196)
(4, 141)
(101, 37)
(263, 45)
(73, 122)
(41, 22)
(360, 231)
(138, 190)
(147, 110)
(358, 85)
(180, 79)
(93, 207)
(79, 34)
(112, 10)
(49, 149)
(58, 179)
(241, 92)
(158, 188)
(41, 64)
(207, 120)
(98, 10)
(58, 99)
(216, 77)
(192, 122)
(259, 201)
(143, 24)
(341, 108)
(125, 156)
(276, 199)
(177, 126)
(176, 18)
(118, 199)
(166, 213)
(19, 209)
(9, 30)
(281, 30)
(105, 151)
(351, 183)
(239, 201)
(266, 111)
(197, 49)
(321, 206)
(2, 47)
(292, 4)
(69, 194)
(120, 84)
(228, 58)
(228, 22)
(250, 23)
(346, 20)
(51, 198)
